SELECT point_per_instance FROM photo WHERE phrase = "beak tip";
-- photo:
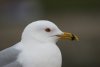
(74, 37)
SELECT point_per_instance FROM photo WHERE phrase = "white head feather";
(41, 30)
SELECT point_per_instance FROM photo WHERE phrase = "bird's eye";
(48, 30)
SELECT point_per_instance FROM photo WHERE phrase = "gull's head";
(45, 31)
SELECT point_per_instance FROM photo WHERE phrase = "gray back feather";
(8, 56)
(13, 64)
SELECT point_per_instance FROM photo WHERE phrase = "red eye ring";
(47, 29)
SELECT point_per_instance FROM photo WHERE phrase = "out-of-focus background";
(81, 17)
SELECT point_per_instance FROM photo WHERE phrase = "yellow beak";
(68, 36)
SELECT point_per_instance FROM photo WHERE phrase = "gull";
(37, 47)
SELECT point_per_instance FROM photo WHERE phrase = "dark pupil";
(47, 30)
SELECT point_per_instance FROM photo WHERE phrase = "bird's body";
(37, 47)
(41, 55)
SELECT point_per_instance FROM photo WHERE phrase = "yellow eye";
(48, 30)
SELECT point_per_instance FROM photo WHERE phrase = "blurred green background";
(81, 17)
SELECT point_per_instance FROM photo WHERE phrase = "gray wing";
(13, 64)
(8, 56)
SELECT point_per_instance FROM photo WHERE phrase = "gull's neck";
(35, 41)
